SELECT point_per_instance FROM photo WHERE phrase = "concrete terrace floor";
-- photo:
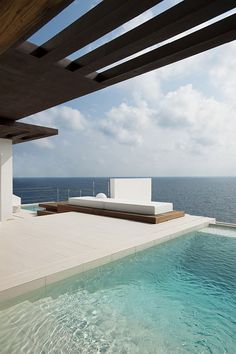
(36, 251)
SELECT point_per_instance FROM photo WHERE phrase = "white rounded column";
(6, 178)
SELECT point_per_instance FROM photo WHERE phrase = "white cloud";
(179, 120)
(69, 118)
(190, 109)
(126, 123)
(45, 143)
(223, 73)
(144, 88)
(190, 116)
(63, 117)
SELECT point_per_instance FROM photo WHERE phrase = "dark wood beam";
(58, 85)
(212, 36)
(19, 19)
(175, 20)
(18, 135)
(22, 132)
(32, 83)
(100, 20)
(34, 92)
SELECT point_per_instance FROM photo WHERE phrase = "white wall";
(139, 189)
(16, 203)
(5, 179)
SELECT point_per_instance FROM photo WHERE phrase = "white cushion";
(162, 207)
(101, 195)
(88, 202)
(151, 208)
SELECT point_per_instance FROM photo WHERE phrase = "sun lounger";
(140, 207)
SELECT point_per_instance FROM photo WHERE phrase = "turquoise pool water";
(178, 297)
(31, 207)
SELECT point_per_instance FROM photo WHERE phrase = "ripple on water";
(178, 297)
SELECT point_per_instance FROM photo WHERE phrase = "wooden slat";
(38, 91)
(212, 36)
(5, 131)
(175, 20)
(30, 84)
(17, 136)
(47, 89)
(21, 18)
(100, 20)
(22, 132)
(44, 90)
(51, 206)
(29, 137)
(64, 207)
(175, 214)
(44, 212)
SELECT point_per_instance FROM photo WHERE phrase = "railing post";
(57, 195)
(108, 189)
(93, 189)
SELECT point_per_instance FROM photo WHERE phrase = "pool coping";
(222, 224)
(62, 270)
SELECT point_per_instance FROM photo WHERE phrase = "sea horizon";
(114, 176)
(213, 196)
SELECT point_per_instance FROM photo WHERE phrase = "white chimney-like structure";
(6, 179)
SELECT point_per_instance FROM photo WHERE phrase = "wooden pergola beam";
(20, 19)
(209, 37)
(38, 91)
(100, 20)
(170, 23)
(22, 132)
(37, 78)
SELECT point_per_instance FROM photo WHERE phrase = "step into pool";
(178, 297)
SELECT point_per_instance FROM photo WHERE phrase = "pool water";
(178, 297)
(31, 207)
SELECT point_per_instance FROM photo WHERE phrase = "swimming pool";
(178, 297)
(31, 207)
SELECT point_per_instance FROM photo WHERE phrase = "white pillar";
(5, 179)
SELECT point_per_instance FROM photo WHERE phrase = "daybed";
(140, 207)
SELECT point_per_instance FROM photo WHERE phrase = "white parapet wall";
(131, 189)
(5, 179)
(16, 203)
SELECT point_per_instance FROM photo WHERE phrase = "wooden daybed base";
(63, 207)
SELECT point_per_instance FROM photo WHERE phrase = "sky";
(179, 120)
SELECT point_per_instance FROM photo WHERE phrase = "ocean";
(206, 196)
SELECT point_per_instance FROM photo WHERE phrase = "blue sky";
(176, 121)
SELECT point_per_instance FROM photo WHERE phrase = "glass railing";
(48, 194)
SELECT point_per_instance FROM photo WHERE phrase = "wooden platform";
(63, 207)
